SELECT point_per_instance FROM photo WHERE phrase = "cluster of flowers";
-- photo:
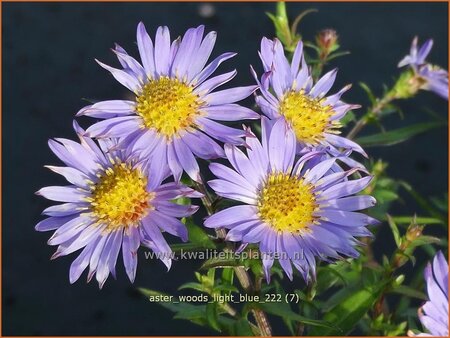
(295, 182)
(117, 198)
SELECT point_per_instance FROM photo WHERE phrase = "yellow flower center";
(287, 203)
(120, 198)
(308, 116)
(167, 105)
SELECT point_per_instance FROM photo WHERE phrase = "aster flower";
(429, 77)
(174, 113)
(288, 91)
(294, 210)
(434, 313)
(112, 203)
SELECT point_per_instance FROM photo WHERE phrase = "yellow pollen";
(120, 198)
(309, 117)
(167, 105)
(287, 203)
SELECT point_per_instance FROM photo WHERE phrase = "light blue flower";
(173, 115)
(434, 313)
(288, 91)
(113, 202)
(433, 78)
(295, 210)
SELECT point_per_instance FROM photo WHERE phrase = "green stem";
(241, 274)
(206, 199)
(318, 68)
(374, 111)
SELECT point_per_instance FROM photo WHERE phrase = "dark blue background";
(48, 68)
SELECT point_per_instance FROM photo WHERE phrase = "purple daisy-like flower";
(288, 91)
(294, 210)
(431, 77)
(173, 116)
(434, 313)
(114, 202)
(417, 55)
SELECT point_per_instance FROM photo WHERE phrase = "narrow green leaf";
(368, 91)
(242, 328)
(226, 288)
(337, 54)
(409, 292)
(193, 286)
(220, 263)
(394, 229)
(419, 220)
(346, 314)
(212, 317)
(178, 247)
(299, 18)
(185, 308)
(198, 236)
(423, 202)
(396, 136)
(424, 240)
(279, 310)
(228, 276)
(350, 116)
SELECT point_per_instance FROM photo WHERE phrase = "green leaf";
(394, 229)
(220, 263)
(212, 317)
(409, 292)
(193, 286)
(419, 220)
(242, 328)
(328, 276)
(178, 247)
(396, 136)
(423, 202)
(368, 91)
(193, 313)
(228, 276)
(280, 310)
(349, 117)
(346, 314)
(441, 203)
(299, 18)
(385, 196)
(287, 321)
(424, 240)
(225, 288)
(198, 236)
(337, 54)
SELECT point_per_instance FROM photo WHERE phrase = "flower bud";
(407, 85)
(327, 41)
(414, 231)
(399, 280)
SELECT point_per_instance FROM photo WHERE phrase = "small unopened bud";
(327, 41)
(399, 280)
(407, 85)
(414, 231)
(379, 167)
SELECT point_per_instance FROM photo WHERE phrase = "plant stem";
(229, 309)
(206, 199)
(262, 322)
(373, 111)
(241, 274)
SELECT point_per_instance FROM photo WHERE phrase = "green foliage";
(374, 293)
(349, 311)
(284, 32)
(396, 136)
